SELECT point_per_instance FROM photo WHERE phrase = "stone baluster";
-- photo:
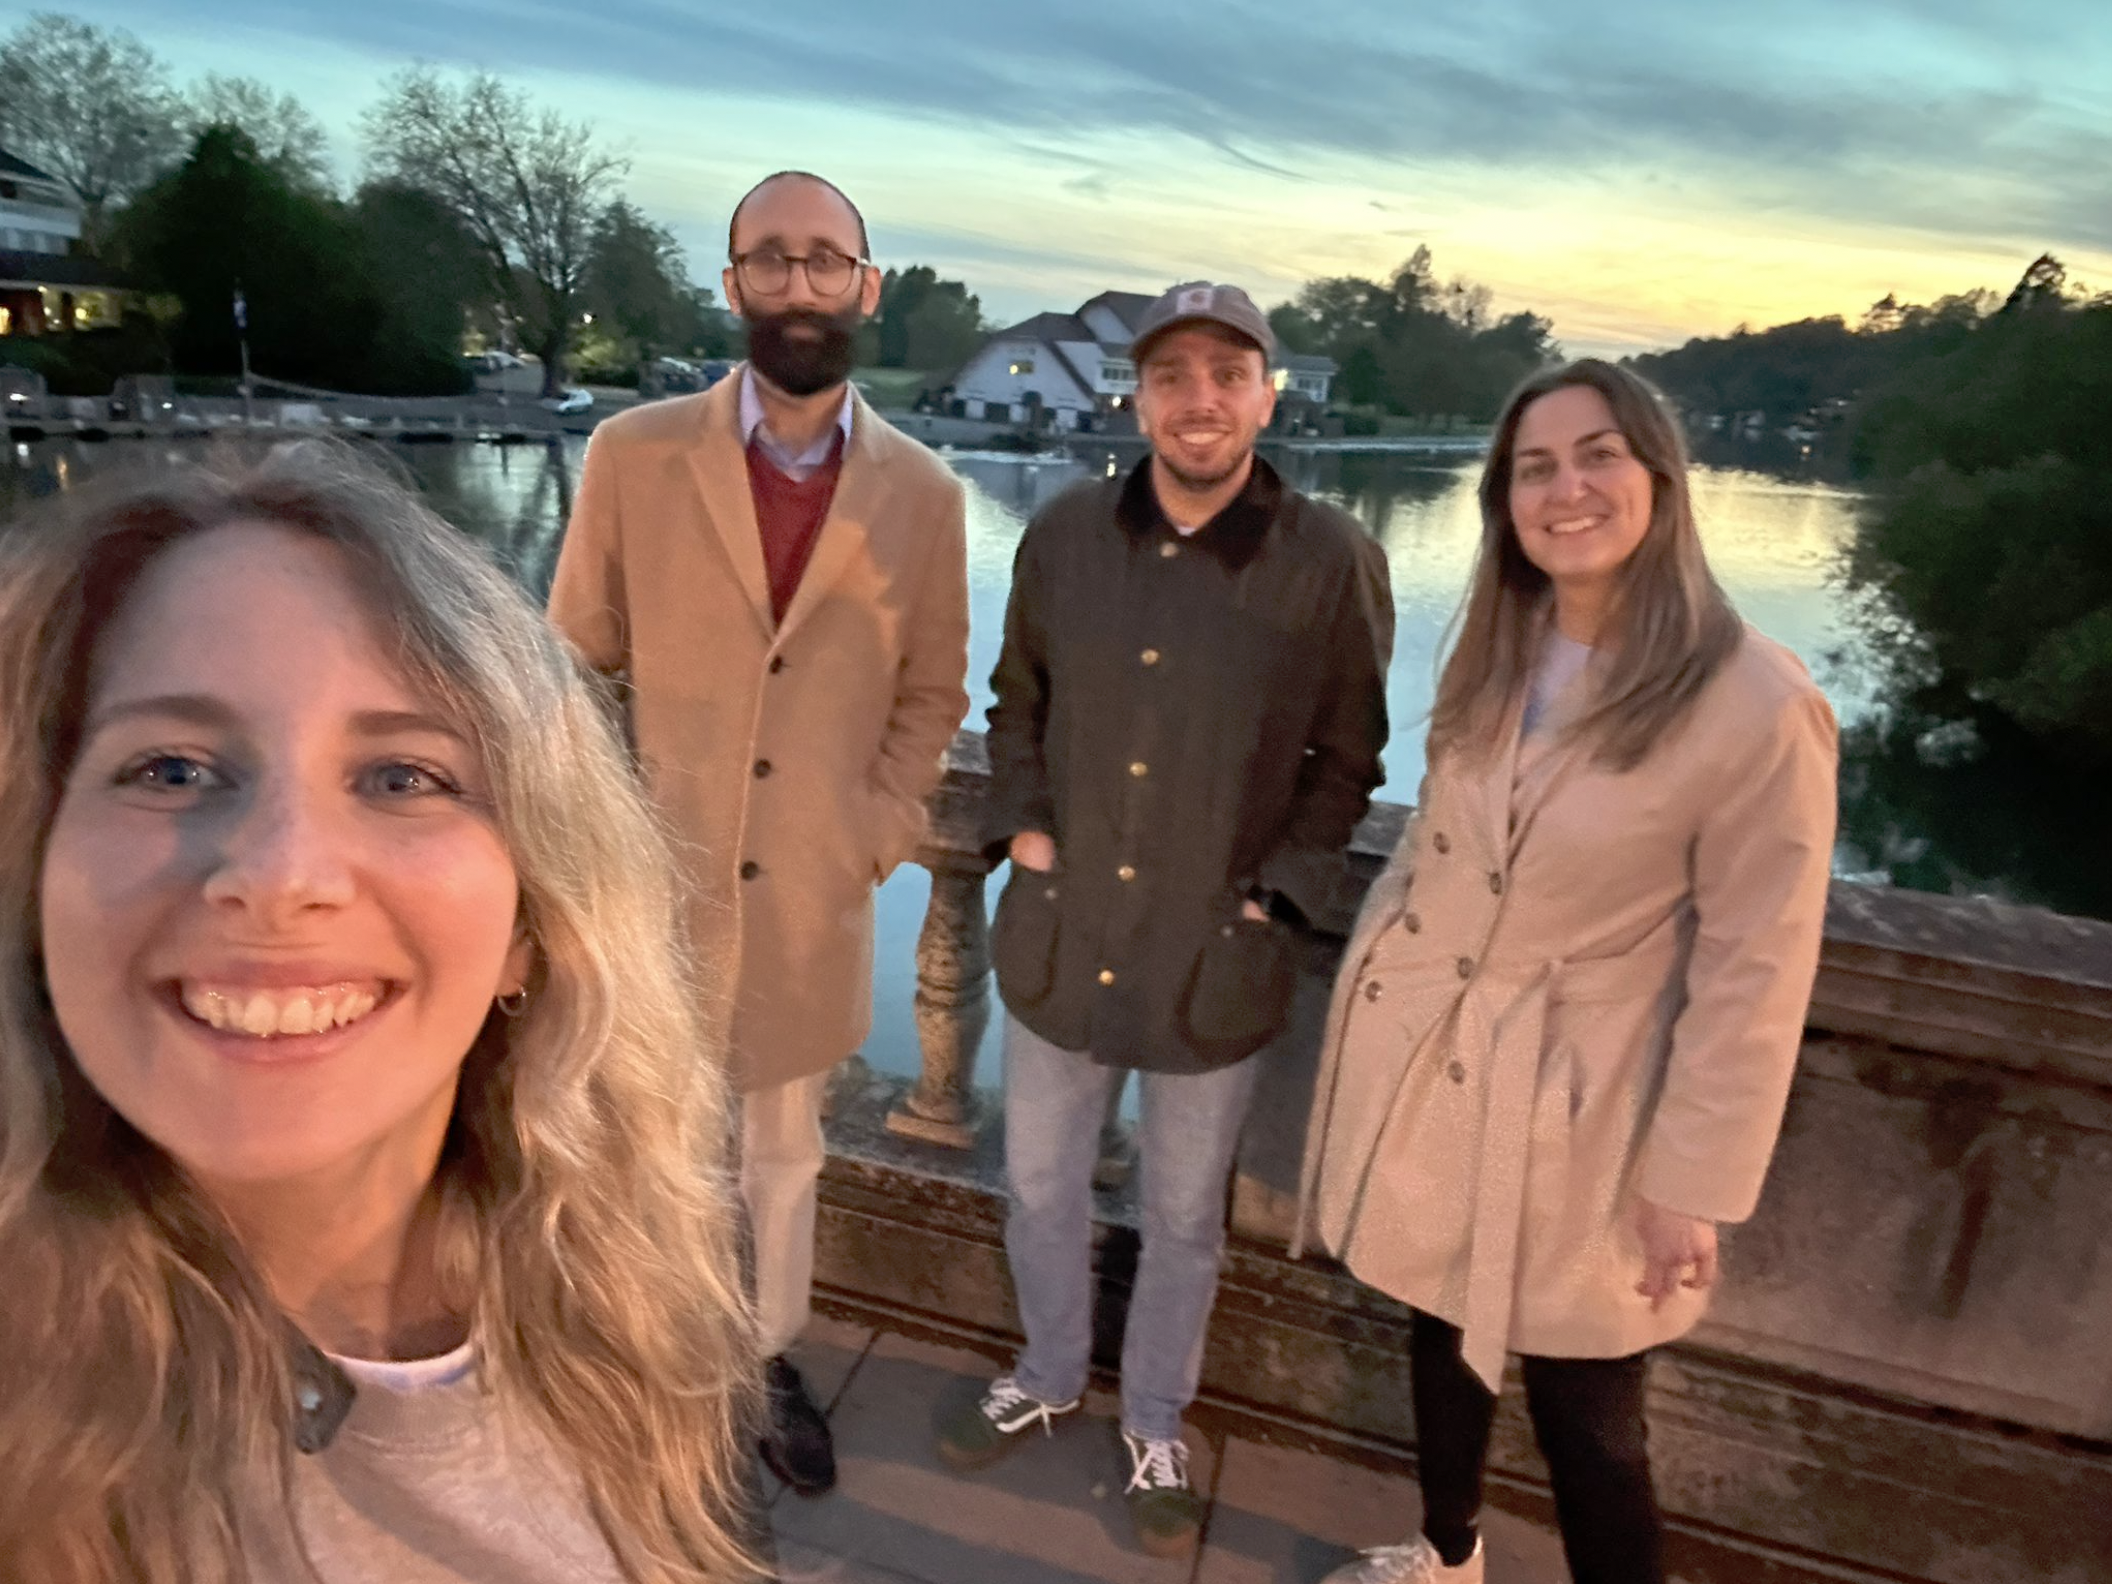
(953, 1008)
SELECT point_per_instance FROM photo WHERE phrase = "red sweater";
(790, 512)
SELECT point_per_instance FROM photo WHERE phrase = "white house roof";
(10, 165)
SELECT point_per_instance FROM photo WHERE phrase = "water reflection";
(1916, 810)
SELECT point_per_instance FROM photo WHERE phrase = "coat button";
(1457, 1072)
(1126, 872)
(1169, 549)
(777, 664)
(1466, 967)
(1149, 657)
(1107, 976)
(762, 768)
(1496, 882)
(750, 869)
(1050, 893)
(1412, 923)
(1139, 768)
(1371, 990)
(1440, 843)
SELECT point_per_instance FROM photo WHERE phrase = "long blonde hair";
(1675, 625)
(585, 1223)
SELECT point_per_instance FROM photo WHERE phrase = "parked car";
(497, 362)
(570, 400)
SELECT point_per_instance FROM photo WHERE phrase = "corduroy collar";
(1234, 535)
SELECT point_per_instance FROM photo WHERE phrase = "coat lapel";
(844, 536)
(720, 464)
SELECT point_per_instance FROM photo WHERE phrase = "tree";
(1989, 518)
(427, 275)
(637, 283)
(1410, 344)
(526, 183)
(227, 218)
(927, 323)
(281, 127)
(90, 105)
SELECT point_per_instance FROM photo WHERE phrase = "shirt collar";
(751, 416)
(1234, 535)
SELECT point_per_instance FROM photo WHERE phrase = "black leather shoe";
(797, 1445)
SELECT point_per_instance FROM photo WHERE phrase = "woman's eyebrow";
(200, 709)
(390, 723)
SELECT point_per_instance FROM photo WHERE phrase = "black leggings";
(1588, 1416)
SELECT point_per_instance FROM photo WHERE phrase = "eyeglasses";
(766, 271)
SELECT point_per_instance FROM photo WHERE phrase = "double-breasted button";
(777, 664)
(1440, 843)
(1457, 1072)
(1412, 923)
(762, 768)
(1149, 657)
(1050, 893)
(1126, 872)
(1371, 990)
(1496, 882)
(750, 869)
(1169, 549)
(1138, 767)
(1466, 967)
(1107, 976)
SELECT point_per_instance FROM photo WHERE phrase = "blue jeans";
(1189, 1127)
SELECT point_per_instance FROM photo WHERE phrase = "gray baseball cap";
(1203, 302)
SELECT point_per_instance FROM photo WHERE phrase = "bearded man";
(1190, 707)
(779, 579)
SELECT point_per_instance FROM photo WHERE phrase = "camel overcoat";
(791, 761)
(1572, 986)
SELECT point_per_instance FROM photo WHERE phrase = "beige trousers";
(781, 1157)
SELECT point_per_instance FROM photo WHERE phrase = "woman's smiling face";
(275, 908)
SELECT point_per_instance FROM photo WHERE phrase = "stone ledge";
(1793, 1465)
(1962, 976)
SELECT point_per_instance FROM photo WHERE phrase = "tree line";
(1413, 346)
(479, 213)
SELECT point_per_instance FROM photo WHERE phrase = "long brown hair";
(586, 1222)
(1675, 626)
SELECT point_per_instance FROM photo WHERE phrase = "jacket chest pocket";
(1023, 938)
(1239, 991)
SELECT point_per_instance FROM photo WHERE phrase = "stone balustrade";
(1908, 1367)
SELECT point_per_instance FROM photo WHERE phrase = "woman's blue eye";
(169, 773)
(402, 779)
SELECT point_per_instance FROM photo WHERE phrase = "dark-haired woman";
(1564, 1031)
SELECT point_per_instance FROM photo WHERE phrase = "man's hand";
(1034, 850)
(1678, 1251)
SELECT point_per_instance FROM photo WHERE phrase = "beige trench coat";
(1554, 1004)
(797, 755)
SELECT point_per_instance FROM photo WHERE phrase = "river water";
(1937, 809)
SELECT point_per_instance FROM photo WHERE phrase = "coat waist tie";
(1514, 1032)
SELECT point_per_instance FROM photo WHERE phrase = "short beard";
(1204, 483)
(801, 365)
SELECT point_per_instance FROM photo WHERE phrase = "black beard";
(800, 365)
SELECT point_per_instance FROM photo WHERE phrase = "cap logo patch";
(1197, 299)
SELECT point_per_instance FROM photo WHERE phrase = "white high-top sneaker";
(1413, 1562)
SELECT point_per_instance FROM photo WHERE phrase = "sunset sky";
(1639, 173)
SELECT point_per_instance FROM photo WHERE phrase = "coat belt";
(1516, 1039)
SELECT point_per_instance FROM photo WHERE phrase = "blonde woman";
(1564, 1030)
(360, 1199)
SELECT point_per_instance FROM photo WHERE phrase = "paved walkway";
(1053, 1512)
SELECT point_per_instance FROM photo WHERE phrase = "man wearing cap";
(1190, 705)
(781, 578)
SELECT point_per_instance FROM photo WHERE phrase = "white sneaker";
(1413, 1562)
